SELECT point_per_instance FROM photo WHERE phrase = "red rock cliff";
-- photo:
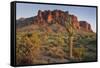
(46, 17)
(85, 26)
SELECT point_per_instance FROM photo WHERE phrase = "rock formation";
(85, 26)
(47, 17)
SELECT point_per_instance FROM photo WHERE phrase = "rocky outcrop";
(75, 22)
(85, 26)
(47, 17)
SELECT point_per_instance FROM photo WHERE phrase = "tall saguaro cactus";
(70, 29)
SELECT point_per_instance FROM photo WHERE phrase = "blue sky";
(83, 13)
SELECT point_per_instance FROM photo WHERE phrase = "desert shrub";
(87, 40)
(56, 52)
(56, 39)
(90, 56)
(27, 48)
(22, 49)
(79, 53)
(66, 49)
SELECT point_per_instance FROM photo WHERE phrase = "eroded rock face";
(56, 16)
(75, 22)
(47, 17)
(85, 26)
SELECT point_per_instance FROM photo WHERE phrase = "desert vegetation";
(46, 44)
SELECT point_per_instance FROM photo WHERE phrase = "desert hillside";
(54, 37)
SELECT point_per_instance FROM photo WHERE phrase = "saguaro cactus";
(70, 29)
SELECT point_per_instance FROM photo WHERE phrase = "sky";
(83, 13)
